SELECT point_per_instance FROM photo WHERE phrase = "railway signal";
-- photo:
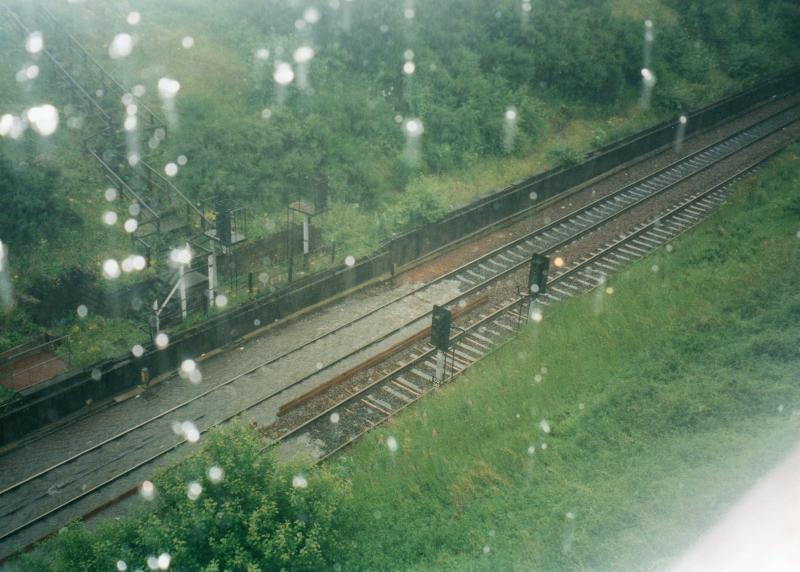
(537, 279)
(440, 328)
(537, 275)
(440, 337)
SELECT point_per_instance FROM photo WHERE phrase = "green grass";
(666, 399)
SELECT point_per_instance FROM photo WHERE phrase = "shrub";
(253, 518)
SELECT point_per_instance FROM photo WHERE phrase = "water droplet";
(511, 114)
(409, 68)
(182, 160)
(216, 474)
(152, 562)
(319, 365)
(188, 366)
(163, 561)
(266, 113)
(137, 350)
(83, 311)
(134, 18)
(391, 442)
(221, 300)
(110, 218)
(558, 262)
(299, 482)
(683, 119)
(34, 43)
(194, 490)
(262, 53)
(648, 77)
(97, 374)
(190, 431)
(168, 88)
(111, 269)
(283, 73)
(162, 340)
(609, 290)
(43, 119)
(544, 426)
(350, 261)
(654, 268)
(121, 46)
(536, 315)
(487, 549)
(311, 15)
(147, 490)
(131, 225)
(537, 378)
(414, 127)
(31, 72)
(408, 55)
(531, 450)
(187, 42)
(171, 169)
(303, 54)
(121, 566)
(569, 516)
(334, 418)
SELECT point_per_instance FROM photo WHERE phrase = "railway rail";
(338, 426)
(39, 502)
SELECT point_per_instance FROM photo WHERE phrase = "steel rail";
(560, 277)
(446, 276)
(508, 307)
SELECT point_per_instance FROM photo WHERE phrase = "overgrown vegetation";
(249, 513)
(569, 71)
(606, 437)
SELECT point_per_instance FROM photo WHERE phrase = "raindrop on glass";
(162, 340)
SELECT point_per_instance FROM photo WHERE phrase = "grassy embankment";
(665, 398)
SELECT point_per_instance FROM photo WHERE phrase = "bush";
(261, 515)
(565, 155)
(418, 206)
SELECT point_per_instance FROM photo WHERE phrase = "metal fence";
(71, 394)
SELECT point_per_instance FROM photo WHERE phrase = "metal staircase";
(166, 217)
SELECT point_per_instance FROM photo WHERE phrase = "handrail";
(116, 179)
(90, 58)
(61, 68)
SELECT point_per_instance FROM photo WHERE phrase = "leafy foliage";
(31, 211)
(253, 519)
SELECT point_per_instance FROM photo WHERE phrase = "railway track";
(343, 423)
(39, 503)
